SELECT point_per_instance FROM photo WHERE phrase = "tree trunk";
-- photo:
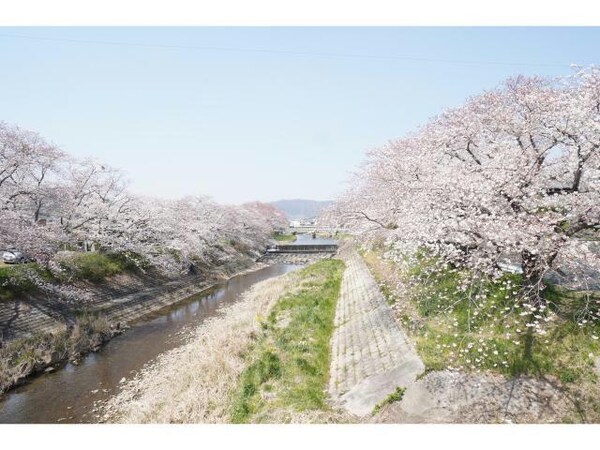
(532, 277)
(533, 272)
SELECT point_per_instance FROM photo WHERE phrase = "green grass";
(284, 237)
(14, 282)
(95, 266)
(468, 330)
(395, 396)
(288, 365)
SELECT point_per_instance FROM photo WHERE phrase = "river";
(306, 238)
(68, 394)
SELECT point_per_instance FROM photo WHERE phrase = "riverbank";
(206, 380)
(287, 366)
(46, 333)
(477, 375)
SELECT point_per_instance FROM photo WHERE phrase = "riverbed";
(68, 394)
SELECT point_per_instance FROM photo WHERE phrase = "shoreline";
(242, 365)
(214, 350)
(54, 349)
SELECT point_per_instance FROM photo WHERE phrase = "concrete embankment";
(42, 332)
(371, 355)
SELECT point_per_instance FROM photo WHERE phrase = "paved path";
(371, 355)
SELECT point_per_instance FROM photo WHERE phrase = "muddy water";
(68, 395)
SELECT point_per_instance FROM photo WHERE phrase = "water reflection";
(306, 239)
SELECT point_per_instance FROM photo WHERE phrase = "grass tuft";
(95, 266)
(395, 396)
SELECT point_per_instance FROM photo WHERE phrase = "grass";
(284, 237)
(14, 282)
(395, 396)
(341, 236)
(194, 383)
(469, 331)
(75, 266)
(288, 366)
(95, 266)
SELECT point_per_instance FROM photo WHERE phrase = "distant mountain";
(298, 209)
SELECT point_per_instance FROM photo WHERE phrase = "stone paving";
(371, 355)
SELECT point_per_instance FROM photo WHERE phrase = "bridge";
(299, 253)
(311, 228)
(303, 248)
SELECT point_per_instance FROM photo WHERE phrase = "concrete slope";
(371, 355)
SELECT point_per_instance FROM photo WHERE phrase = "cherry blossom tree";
(94, 204)
(511, 176)
(49, 200)
(514, 172)
(29, 169)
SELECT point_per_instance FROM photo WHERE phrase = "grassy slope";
(567, 351)
(93, 267)
(288, 365)
(14, 283)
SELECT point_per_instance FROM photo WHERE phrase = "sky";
(242, 114)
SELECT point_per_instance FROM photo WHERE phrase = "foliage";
(50, 201)
(16, 280)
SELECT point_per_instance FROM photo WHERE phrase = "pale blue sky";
(185, 113)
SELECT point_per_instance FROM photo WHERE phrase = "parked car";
(14, 257)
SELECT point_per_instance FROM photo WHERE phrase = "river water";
(68, 394)
(306, 239)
